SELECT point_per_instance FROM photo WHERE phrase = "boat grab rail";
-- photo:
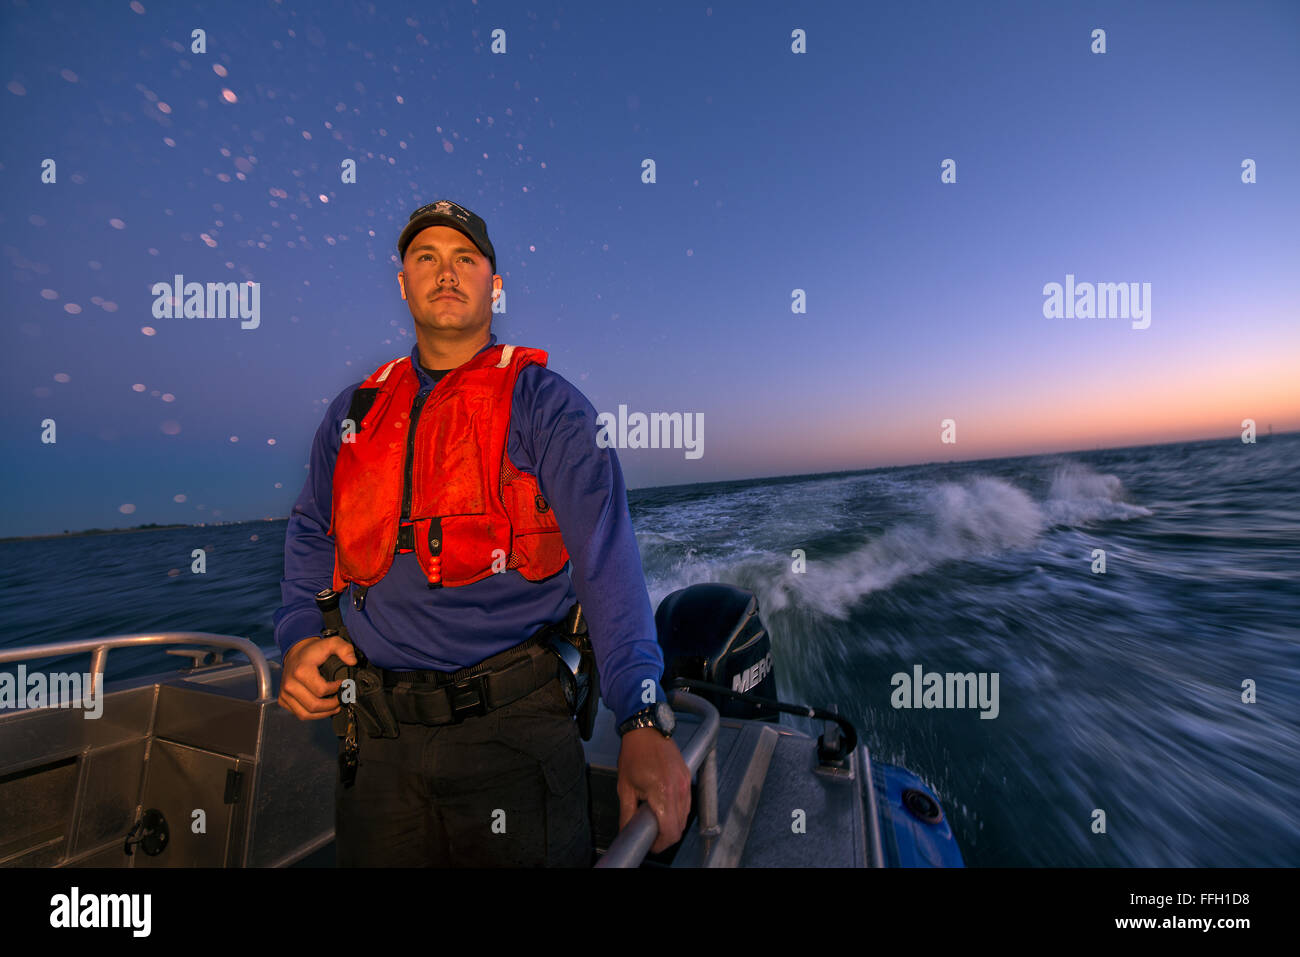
(634, 841)
(99, 648)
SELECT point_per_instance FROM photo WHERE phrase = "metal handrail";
(99, 648)
(634, 841)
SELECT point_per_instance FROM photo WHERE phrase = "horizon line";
(159, 526)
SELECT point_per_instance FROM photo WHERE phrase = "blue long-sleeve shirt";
(405, 625)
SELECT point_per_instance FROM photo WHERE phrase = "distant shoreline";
(150, 527)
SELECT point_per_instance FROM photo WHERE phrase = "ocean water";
(1118, 692)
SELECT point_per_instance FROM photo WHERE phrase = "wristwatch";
(658, 716)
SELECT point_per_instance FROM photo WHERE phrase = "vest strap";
(362, 400)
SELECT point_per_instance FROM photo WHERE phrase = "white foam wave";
(1079, 495)
(983, 516)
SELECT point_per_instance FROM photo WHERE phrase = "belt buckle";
(468, 697)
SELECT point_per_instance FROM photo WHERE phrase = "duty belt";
(384, 698)
(439, 697)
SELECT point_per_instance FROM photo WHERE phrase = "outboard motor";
(712, 633)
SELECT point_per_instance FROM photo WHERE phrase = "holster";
(373, 713)
(577, 670)
(369, 706)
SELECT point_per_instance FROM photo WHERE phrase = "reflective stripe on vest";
(473, 512)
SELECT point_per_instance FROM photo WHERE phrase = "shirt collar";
(425, 379)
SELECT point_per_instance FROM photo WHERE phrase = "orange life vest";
(471, 512)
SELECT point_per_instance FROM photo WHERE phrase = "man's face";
(444, 262)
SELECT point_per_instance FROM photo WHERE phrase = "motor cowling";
(711, 632)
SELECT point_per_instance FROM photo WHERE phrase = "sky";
(779, 178)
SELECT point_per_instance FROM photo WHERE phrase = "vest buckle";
(405, 537)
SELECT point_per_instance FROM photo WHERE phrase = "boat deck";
(776, 807)
(71, 788)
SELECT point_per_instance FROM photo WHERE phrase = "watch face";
(664, 715)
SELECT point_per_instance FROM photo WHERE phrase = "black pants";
(504, 789)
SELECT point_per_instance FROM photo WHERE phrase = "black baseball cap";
(446, 213)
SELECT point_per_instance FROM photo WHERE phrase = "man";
(446, 595)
